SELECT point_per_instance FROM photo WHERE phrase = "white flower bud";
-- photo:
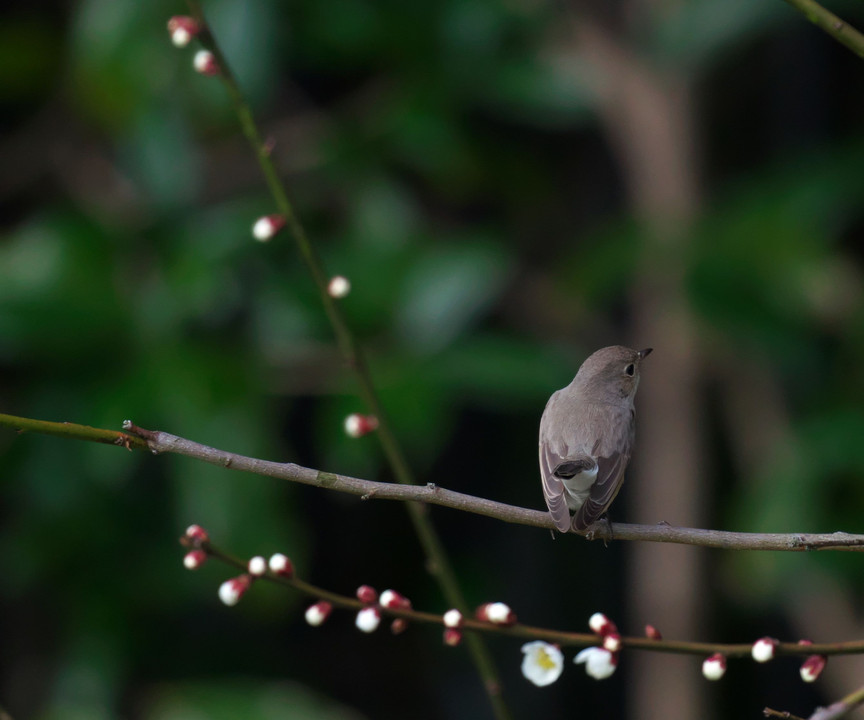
(763, 649)
(368, 619)
(338, 287)
(714, 667)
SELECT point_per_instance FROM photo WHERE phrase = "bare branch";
(841, 707)
(836, 27)
(432, 494)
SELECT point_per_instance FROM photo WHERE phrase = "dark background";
(489, 176)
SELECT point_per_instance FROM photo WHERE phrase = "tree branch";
(841, 707)
(438, 565)
(431, 494)
(72, 431)
(836, 27)
(531, 632)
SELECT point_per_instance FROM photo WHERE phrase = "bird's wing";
(610, 476)
(553, 488)
(612, 459)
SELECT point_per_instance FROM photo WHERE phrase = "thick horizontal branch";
(72, 431)
(431, 494)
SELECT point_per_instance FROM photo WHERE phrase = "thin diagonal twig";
(836, 27)
(438, 562)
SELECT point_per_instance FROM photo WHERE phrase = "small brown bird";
(586, 437)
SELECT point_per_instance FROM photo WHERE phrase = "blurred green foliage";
(445, 158)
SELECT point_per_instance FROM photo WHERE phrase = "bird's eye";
(630, 369)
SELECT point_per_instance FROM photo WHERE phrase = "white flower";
(599, 663)
(763, 649)
(368, 619)
(714, 667)
(543, 663)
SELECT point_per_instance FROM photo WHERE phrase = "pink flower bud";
(497, 613)
(393, 600)
(368, 619)
(453, 618)
(367, 594)
(338, 287)
(267, 226)
(281, 565)
(601, 624)
(257, 566)
(652, 633)
(232, 590)
(612, 642)
(197, 534)
(205, 63)
(452, 636)
(812, 667)
(397, 627)
(316, 614)
(357, 425)
(763, 649)
(714, 667)
(182, 29)
(194, 559)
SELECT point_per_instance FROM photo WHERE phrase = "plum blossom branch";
(438, 564)
(499, 618)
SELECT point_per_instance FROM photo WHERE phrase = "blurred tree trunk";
(648, 115)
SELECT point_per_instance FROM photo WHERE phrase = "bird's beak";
(645, 353)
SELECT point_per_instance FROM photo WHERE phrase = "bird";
(586, 437)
